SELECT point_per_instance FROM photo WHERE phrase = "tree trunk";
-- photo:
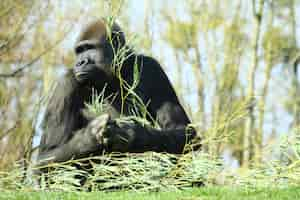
(295, 81)
(258, 143)
(250, 121)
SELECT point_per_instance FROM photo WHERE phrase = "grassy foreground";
(190, 194)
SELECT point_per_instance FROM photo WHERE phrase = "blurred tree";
(250, 123)
(295, 63)
(15, 124)
(206, 47)
(23, 46)
(183, 38)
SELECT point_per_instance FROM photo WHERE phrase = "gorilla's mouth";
(81, 75)
(91, 74)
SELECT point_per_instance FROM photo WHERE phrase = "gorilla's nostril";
(82, 62)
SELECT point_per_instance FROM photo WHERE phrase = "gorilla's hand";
(91, 139)
(118, 136)
(98, 126)
(106, 134)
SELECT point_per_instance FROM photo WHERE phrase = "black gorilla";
(69, 132)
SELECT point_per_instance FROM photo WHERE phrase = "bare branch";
(17, 72)
(7, 11)
(8, 131)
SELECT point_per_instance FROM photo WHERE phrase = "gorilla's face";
(93, 61)
(95, 52)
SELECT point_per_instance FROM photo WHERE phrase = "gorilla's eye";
(84, 47)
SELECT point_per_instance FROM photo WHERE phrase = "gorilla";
(106, 64)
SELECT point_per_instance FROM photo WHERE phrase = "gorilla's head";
(95, 50)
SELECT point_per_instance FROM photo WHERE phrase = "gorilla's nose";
(83, 62)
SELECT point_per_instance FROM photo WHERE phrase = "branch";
(16, 73)
(8, 131)
(7, 11)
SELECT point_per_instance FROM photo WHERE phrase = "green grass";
(189, 194)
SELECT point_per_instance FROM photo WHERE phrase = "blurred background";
(233, 64)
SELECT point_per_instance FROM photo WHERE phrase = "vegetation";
(233, 63)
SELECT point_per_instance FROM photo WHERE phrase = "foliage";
(276, 44)
(206, 47)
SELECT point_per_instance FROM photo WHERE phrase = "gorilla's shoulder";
(148, 61)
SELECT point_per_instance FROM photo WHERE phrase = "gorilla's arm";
(66, 134)
(135, 137)
(83, 143)
(63, 114)
(154, 87)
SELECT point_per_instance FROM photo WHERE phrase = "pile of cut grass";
(144, 172)
(151, 172)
